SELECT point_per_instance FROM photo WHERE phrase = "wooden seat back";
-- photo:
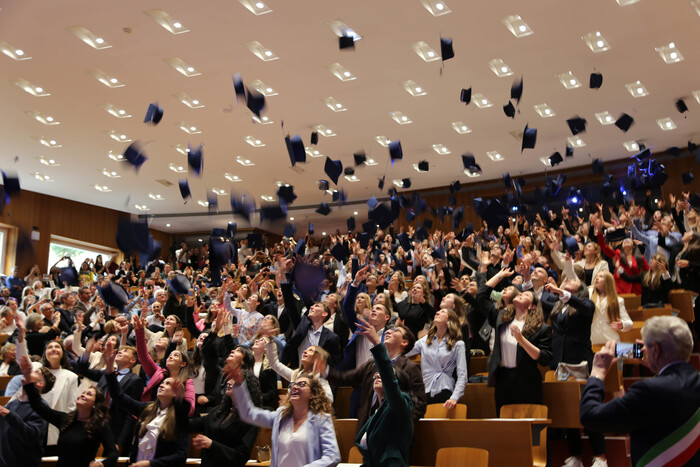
(355, 456)
(481, 400)
(682, 300)
(632, 301)
(643, 314)
(539, 452)
(4, 381)
(458, 457)
(562, 399)
(459, 412)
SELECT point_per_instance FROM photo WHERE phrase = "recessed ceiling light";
(696, 94)
(141, 207)
(461, 128)
(42, 118)
(180, 169)
(383, 140)
(34, 90)
(341, 29)
(42, 178)
(182, 149)
(695, 4)
(576, 142)
(156, 196)
(631, 146)
(352, 178)
(244, 162)
(637, 89)
(167, 225)
(323, 130)
(232, 178)
(666, 124)
(84, 34)
(260, 51)
(414, 88)
(517, 26)
(204, 204)
(188, 128)
(182, 67)
(118, 137)
(190, 102)
(219, 191)
(424, 51)
(355, 213)
(257, 7)
(49, 162)
(398, 183)
(263, 119)
(481, 101)
(106, 79)
(495, 156)
(115, 157)
(500, 68)
(546, 161)
(400, 118)
(48, 142)
(110, 173)
(568, 80)
(168, 23)
(605, 118)
(470, 174)
(13, 52)
(626, 2)
(311, 152)
(267, 198)
(263, 88)
(102, 188)
(441, 149)
(255, 142)
(371, 162)
(334, 105)
(114, 111)
(596, 42)
(436, 7)
(670, 53)
(544, 111)
(340, 72)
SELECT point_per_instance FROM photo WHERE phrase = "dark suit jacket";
(548, 300)
(571, 339)
(650, 410)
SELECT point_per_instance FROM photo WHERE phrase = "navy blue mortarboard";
(555, 159)
(255, 241)
(134, 155)
(569, 151)
(465, 96)
(242, 206)
(571, 245)
(457, 217)
(340, 252)
(597, 166)
(363, 238)
(382, 215)
(238, 87)
(695, 201)
(381, 183)
(348, 171)
(10, 184)
(596, 81)
(231, 229)
(372, 203)
(529, 138)
(687, 178)
(300, 247)
(310, 228)
(289, 230)
(333, 169)
(428, 224)
(340, 196)
(114, 295)
(455, 186)
(314, 138)
(179, 284)
(446, 50)
(212, 201)
(359, 157)
(423, 166)
(255, 102)
(576, 125)
(404, 241)
(516, 90)
(642, 155)
(351, 224)
(154, 114)
(323, 209)
(406, 182)
(410, 215)
(692, 146)
(369, 227)
(346, 42)
(185, 189)
(286, 194)
(624, 122)
(616, 235)
(421, 233)
(674, 151)
(468, 161)
(507, 180)
(195, 159)
(323, 185)
(69, 276)
(509, 109)
(133, 237)
(395, 150)
(295, 149)
(452, 200)
(680, 105)
(272, 212)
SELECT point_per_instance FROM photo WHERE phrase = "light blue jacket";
(322, 446)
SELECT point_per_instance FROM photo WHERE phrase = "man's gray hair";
(671, 333)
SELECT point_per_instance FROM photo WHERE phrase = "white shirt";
(147, 444)
(311, 338)
(601, 332)
(292, 450)
(509, 345)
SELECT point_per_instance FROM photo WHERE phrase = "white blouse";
(601, 332)
(147, 444)
(292, 444)
(509, 345)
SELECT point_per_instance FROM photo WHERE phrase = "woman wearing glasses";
(302, 427)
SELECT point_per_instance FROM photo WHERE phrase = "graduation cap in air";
(421, 233)
(286, 194)
(212, 201)
(509, 110)
(554, 184)
(185, 189)
(687, 177)
(576, 125)
(340, 252)
(372, 203)
(555, 159)
(395, 150)
(680, 105)
(340, 196)
(289, 230)
(624, 122)
(238, 87)
(643, 154)
(346, 42)
(255, 241)
(323, 185)
(695, 201)
(381, 183)
(404, 241)
(455, 186)
(428, 224)
(272, 212)
(10, 184)
(323, 209)
(406, 183)
(382, 215)
(114, 295)
(255, 102)
(154, 114)
(295, 149)
(348, 171)
(195, 158)
(301, 244)
(465, 96)
(134, 155)
(692, 146)
(529, 138)
(616, 235)
(231, 229)
(597, 166)
(516, 90)
(360, 157)
(446, 50)
(314, 138)
(369, 227)
(596, 80)
(452, 200)
(569, 151)
(410, 215)
(570, 244)
(351, 224)
(674, 151)
(134, 237)
(310, 228)
(457, 217)
(333, 169)
(242, 206)
(423, 166)
(363, 238)
(179, 284)
(469, 162)
(507, 180)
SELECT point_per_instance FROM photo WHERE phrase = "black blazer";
(571, 339)
(231, 439)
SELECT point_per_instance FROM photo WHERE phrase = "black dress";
(75, 448)
(415, 315)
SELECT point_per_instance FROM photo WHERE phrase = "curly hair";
(229, 408)
(98, 416)
(533, 320)
(318, 402)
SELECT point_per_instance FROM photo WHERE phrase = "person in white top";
(610, 312)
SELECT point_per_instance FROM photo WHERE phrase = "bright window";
(77, 251)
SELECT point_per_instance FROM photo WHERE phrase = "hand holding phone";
(628, 350)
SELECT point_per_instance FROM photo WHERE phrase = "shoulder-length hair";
(454, 333)
(98, 416)
(318, 403)
(533, 320)
(65, 363)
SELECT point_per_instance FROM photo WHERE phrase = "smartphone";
(628, 350)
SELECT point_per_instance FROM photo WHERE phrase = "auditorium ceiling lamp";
(156, 196)
(115, 156)
(500, 68)
(48, 142)
(110, 173)
(49, 162)
(256, 7)
(670, 53)
(42, 118)
(333, 104)
(253, 141)
(267, 198)
(461, 128)
(696, 95)
(244, 162)
(517, 26)
(666, 124)
(263, 120)
(168, 23)
(188, 128)
(93, 40)
(232, 178)
(189, 101)
(495, 156)
(311, 152)
(42, 178)
(383, 140)
(141, 207)
(398, 183)
(370, 162)
(400, 118)
(102, 188)
(203, 203)
(576, 142)
(219, 191)
(118, 137)
(263, 88)
(340, 72)
(436, 7)
(568, 80)
(260, 51)
(182, 67)
(441, 149)
(414, 88)
(596, 42)
(182, 149)
(34, 90)
(341, 29)
(178, 169)
(626, 2)
(424, 51)
(695, 4)
(471, 174)
(106, 79)
(481, 101)
(114, 111)
(352, 178)
(631, 146)
(323, 130)
(637, 89)
(605, 118)
(544, 111)
(13, 52)
(546, 161)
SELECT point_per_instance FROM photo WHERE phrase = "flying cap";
(509, 110)
(231, 229)
(154, 114)
(134, 155)
(195, 159)
(333, 169)
(289, 230)
(555, 159)
(238, 87)
(687, 178)
(185, 189)
(624, 122)
(465, 96)
(255, 102)
(10, 184)
(395, 150)
(360, 158)
(596, 80)
(323, 185)
(323, 209)
(340, 252)
(406, 183)
(346, 42)
(680, 106)
(310, 228)
(314, 138)
(242, 206)
(351, 224)
(423, 166)
(529, 138)
(114, 295)
(272, 212)
(404, 241)
(446, 50)
(286, 194)
(576, 125)
(516, 90)
(295, 149)
(569, 151)
(597, 166)
(179, 284)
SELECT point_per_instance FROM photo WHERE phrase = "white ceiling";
(296, 32)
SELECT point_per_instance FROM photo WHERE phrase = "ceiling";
(296, 31)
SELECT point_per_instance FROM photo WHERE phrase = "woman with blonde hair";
(442, 352)
(610, 312)
(592, 263)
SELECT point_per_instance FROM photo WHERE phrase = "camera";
(628, 350)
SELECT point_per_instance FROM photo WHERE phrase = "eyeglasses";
(298, 384)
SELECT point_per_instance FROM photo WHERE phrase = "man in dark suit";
(121, 421)
(662, 414)
(398, 341)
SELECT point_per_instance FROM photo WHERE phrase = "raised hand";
(108, 353)
(138, 323)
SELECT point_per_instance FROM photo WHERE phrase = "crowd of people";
(149, 360)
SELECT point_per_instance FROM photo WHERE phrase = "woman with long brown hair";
(610, 312)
